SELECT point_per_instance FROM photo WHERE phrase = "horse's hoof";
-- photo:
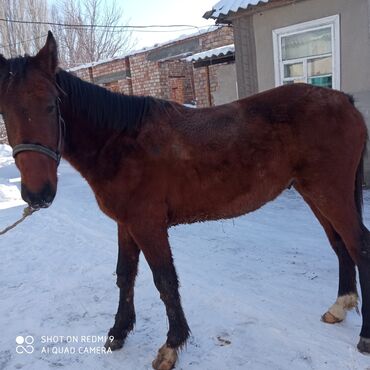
(114, 344)
(364, 345)
(329, 318)
(338, 311)
(166, 358)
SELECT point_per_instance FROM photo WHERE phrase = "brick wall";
(145, 75)
(83, 74)
(213, 81)
(206, 84)
(168, 78)
(161, 78)
(221, 37)
(201, 87)
(125, 86)
(177, 81)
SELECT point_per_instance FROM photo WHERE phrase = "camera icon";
(24, 344)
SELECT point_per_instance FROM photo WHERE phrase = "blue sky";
(148, 12)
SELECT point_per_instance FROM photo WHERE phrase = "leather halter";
(54, 154)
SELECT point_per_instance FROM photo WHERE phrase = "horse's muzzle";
(37, 200)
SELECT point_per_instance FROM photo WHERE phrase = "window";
(308, 52)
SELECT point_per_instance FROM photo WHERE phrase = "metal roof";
(224, 7)
(217, 52)
(210, 29)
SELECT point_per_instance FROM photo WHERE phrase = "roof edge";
(222, 15)
(226, 16)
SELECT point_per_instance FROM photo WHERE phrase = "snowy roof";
(200, 32)
(224, 7)
(217, 52)
(93, 64)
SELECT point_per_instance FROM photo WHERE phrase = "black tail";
(359, 182)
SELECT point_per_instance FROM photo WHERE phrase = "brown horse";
(153, 164)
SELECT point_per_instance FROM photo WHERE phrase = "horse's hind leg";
(347, 291)
(339, 207)
(153, 241)
(364, 271)
(128, 258)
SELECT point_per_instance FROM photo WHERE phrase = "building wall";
(354, 37)
(160, 72)
(215, 84)
(114, 75)
(354, 43)
(362, 101)
(201, 87)
(180, 88)
(83, 73)
(245, 56)
(145, 76)
(168, 78)
(223, 83)
(221, 37)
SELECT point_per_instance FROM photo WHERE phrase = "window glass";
(319, 66)
(293, 70)
(290, 82)
(321, 81)
(306, 44)
(308, 52)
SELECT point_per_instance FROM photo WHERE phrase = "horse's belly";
(215, 205)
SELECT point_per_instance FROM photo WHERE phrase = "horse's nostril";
(25, 194)
(46, 205)
(42, 199)
(35, 206)
(47, 194)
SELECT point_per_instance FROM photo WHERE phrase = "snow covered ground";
(253, 288)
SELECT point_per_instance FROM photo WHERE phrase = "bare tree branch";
(89, 44)
(16, 38)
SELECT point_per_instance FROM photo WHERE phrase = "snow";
(9, 194)
(224, 7)
(199, 32)
(253, 288)
(223, 50)
(93, 64)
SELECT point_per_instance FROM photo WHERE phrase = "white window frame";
(333, 22)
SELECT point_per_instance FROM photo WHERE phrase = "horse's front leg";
(153, 241)
(128, 258)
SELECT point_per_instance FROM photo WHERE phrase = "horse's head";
(29, 105)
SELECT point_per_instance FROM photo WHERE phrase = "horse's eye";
(50, 108)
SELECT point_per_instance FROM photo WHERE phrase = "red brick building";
(164, 71)
(214, 76)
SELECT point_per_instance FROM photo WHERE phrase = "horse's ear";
(47, 57)
(3, 66)
(3, 61)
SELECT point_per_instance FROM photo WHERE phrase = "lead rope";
(26, 212)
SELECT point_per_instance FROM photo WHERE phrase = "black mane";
(104, 109)
(15, 67)
(18, 66)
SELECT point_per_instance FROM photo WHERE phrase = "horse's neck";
(99, 121)
(82, 141)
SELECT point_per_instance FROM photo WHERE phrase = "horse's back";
(288, 121)
(228, 160)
